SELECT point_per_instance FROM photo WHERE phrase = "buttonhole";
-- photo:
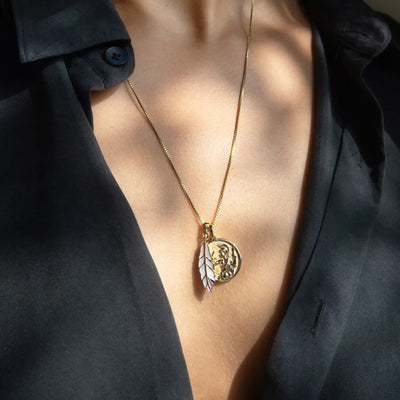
(318, 316)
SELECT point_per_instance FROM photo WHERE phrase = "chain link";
(239, 106)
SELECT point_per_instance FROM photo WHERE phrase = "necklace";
(219, 259)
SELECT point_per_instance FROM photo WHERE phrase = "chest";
(226, 335)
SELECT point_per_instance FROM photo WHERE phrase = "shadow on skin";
(248, 381)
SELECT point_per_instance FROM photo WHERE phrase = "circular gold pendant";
(226, 259)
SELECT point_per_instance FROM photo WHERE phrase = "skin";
(189, 58)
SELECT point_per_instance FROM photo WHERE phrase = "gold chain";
(239, 106)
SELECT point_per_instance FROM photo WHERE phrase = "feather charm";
(206, 266)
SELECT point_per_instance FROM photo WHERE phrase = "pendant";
(219, 259)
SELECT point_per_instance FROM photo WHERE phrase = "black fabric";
(74, 321)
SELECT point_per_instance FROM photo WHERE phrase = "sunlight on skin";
(186, 129)
(191, 94)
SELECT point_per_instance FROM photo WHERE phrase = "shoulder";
(394, 27)
(383, 75)
(393, 24)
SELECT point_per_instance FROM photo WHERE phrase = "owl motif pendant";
(219, 259)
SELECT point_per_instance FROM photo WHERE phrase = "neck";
(205, 19)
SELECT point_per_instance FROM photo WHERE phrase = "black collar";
(48, 28)
(353, 35)
(351, 24)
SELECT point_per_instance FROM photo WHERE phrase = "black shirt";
(83, 313)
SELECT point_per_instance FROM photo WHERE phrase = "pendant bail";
(208, 233)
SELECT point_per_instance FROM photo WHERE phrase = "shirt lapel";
(342, 200)
(49, 28)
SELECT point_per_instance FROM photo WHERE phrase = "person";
(101, 296)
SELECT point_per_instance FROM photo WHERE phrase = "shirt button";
(116, 56)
